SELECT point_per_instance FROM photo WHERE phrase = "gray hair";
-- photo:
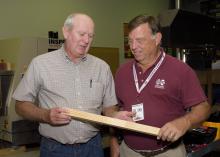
(69, 22)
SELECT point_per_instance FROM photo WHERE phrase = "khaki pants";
(179, 151)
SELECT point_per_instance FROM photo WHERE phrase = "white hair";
(69, 22)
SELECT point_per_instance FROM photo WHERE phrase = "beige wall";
(34, 18)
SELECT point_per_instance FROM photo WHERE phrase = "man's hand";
(57, 116)
(114, 112)
(173, 130)
(114, 147)
(54, 116)
(124, 115)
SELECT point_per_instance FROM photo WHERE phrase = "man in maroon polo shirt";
(157, 90)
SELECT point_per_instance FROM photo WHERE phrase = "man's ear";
(158, 38)
(65, 32)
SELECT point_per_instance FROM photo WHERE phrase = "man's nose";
(133, 45)
(86, 38)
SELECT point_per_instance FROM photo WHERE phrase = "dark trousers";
(52, 148)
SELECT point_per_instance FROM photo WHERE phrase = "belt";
(57, 142)
(150, 153)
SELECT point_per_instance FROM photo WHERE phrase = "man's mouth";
(83, 47)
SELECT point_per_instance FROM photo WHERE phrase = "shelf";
(212, 147)
(208, 78)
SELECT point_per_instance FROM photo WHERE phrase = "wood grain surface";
(132, 126)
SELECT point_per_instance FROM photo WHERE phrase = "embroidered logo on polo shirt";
(160, 83)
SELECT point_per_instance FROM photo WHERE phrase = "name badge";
(138, 109)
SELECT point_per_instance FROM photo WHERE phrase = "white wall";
(34, 18)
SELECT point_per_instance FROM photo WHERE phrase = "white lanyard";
(149, 77)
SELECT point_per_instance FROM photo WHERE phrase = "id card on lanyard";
(139, 108)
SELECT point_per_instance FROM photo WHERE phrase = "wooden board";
(81, 115)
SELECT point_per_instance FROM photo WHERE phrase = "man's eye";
(81, 34)
(91, 35)
(139, 41)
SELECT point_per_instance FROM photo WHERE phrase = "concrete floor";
(19, 152)
(33, 152)
(25, 154)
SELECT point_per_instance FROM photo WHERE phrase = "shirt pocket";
(96, 92)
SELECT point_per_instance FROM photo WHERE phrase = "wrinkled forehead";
(82, 19)
(140, 31)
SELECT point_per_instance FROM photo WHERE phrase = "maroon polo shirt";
(172, 89)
